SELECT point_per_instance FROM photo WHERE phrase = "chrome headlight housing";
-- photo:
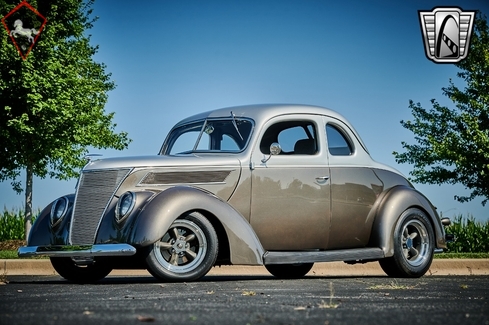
(58, 210)
(124, 206)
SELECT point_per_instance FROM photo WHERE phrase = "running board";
(346, 255)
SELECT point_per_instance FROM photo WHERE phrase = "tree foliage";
(453, 143)
(52, 103)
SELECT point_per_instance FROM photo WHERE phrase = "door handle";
(322, 179)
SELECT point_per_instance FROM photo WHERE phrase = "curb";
(438, 267)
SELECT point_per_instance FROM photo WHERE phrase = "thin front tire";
(186, 252)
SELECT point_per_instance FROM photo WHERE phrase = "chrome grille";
(95, 189)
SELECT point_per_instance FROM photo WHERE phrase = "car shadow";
(132, 279)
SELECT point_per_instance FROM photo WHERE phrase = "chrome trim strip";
(347, 255)
(438, 250)
(82, 251)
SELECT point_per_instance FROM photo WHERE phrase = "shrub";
(12, 225)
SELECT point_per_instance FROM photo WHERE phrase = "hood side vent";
(190, 177)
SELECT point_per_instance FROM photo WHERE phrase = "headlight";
(124, 206)
(58, 210)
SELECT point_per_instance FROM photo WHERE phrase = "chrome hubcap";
(182, 248)
(415, 242)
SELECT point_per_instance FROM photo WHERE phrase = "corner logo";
(24, 25)
(446, 33)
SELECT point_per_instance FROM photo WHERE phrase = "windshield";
(223, 135)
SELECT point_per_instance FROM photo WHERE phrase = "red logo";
(24, 25)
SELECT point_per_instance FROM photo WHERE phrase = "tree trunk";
(28, 201)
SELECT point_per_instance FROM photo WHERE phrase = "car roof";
(263, 112)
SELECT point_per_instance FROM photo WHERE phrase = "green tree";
(453, 143)
(52, 103)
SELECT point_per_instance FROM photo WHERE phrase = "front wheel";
(68, 269)
(413, 246)
(289, 271)
(186, 252)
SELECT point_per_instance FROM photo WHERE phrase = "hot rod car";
(283, 186)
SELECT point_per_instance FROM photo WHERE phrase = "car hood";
(162, 161)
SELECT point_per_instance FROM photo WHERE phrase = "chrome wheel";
(186, 252)
(182, 248)
(415, 242)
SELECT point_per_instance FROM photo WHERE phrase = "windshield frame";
(170, 140)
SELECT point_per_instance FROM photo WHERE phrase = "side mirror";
(275, 149)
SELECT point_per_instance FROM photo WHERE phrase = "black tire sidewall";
(289, 271)
(160, 272)
(67, 268)
(401, 266)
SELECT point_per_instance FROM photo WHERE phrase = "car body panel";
(313, 201)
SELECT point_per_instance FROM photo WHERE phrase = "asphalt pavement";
(249, 299)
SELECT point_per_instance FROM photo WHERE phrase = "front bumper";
(78, 251)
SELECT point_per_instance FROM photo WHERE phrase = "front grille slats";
(95, 190)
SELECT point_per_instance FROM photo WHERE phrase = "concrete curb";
(439, 267)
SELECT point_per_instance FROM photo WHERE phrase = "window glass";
(213, 135)
(338, 143)
(294, 137)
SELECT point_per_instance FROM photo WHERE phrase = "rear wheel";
(413, 246)
(186, 252)
(289, 271)
(68, 269)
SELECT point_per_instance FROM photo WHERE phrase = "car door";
(354, 187)
(290, 200)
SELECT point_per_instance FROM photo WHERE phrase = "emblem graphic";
(446, 33)
(24, 25)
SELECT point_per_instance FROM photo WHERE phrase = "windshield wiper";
(236, 126)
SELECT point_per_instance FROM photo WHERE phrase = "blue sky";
(172, 59)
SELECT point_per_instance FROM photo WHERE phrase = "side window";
(338, 143)
(295, 138)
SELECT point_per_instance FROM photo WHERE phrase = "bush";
(471, 236)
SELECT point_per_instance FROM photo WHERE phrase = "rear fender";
(160, 212)
(393, 203)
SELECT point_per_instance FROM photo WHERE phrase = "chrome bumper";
(78, 251)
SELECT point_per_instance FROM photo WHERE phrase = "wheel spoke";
(175, 233)
(190, 254)
(406, 253)
(163, 245)
(414, 252)
(413, 235)
(174, 259)
(190, 237)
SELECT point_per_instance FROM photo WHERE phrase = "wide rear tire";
(414, 244)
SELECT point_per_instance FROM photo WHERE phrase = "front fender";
(160, 212)
(393, 203)
(42, 234)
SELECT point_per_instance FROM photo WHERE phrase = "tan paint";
(290, 209)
